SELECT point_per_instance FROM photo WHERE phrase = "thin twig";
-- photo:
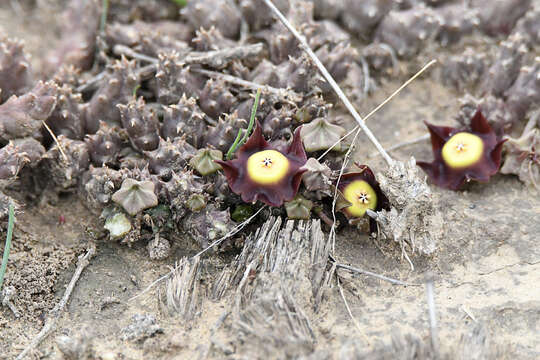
(331, 81)
(402, 144)
(405, 84)
(120, 50)
(369, 273)
(235, 230)
(91, 82)
(430, 294)
(220, 58)
(355, 322)
(55, 313)
(281, 93)
(55, 140)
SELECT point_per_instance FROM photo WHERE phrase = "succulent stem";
(331, 81)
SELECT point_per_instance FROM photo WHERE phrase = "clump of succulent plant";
(174, 80)
(170, 156)
(117, 89)
(262, 172)
(105, 145)
(184, 119)
(22, 116)
(135, 196)
(14, 68)
(224, 15)
(462, 155)
(407, 31)
(141, 124)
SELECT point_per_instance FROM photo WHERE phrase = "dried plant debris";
(522, 157)
(159, 248)
(413, 219)
(15, 72)
(207, 225)
(184, 289)
(142, 326)
(268, 276)
(66, 172)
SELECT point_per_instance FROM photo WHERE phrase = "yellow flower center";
(362, 197)
(267, 167)
(462, 150)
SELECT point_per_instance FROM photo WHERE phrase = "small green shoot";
(239, 142)
(11, 221)
(135, 89)
(104, 12)
(180, 3)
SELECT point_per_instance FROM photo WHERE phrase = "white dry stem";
(430, 294)
(60, 147)
(377, 276)
(304, 45)
(355, 322)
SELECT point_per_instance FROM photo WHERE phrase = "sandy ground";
(487, 269)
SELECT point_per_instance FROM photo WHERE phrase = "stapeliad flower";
(362, 191)
(461, 155)
(265, 173)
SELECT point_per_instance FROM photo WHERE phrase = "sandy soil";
(487, 270)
